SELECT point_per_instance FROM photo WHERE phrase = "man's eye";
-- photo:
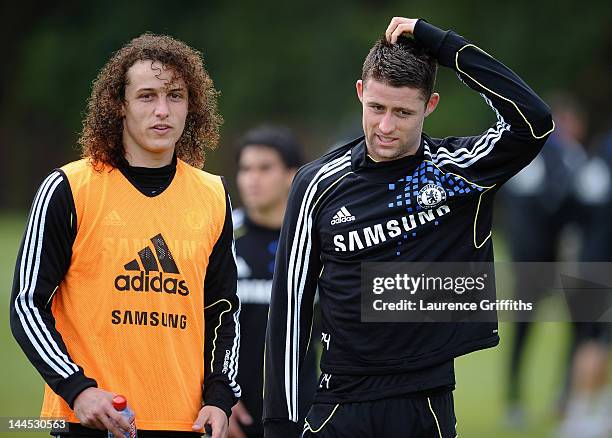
(146, 97)
(176, 96)
(404, 113)
(377, 108)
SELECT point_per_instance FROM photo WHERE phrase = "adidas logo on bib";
(151, 271)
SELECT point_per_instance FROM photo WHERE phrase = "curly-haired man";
(125, 281)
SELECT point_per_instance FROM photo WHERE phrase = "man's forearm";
(515, 101)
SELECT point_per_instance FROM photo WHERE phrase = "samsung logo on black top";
(376, 234)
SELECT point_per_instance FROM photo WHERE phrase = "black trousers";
(398, 417)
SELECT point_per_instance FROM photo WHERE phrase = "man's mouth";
(161, 128)
(384, 140)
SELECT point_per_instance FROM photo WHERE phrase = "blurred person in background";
(539, 204)
(125, 280)
(268, 158)
(589, 407)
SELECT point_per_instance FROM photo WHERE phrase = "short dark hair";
(279, 138)
(404, 64)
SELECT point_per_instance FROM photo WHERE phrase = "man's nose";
(387, 124)
(161, 108)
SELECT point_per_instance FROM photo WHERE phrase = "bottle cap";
(119, 402)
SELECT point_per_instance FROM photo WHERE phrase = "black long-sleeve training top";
(345, 209)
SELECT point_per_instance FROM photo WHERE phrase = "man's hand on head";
(94, 409)
(399, 26)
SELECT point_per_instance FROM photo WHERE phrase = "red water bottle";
(120, 404)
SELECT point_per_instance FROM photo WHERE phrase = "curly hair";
(101, 137)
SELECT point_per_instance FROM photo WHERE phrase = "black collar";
(150, 181)
(384, 171)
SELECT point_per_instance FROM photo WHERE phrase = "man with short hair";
(395, 194)
(268, 158)
(125, 280)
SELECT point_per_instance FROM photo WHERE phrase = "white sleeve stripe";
(32, 229)
(29, 315)
(484, 151)
(292, 315)
(233, 359)
(297, 273)
(487, 143)
(290, 355)
(463, 153)
(480, 148)
(25, 315)
(30, 294)
(214, 342)
(290, 279)
(233, 365)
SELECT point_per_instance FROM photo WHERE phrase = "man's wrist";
(429, 35)
(220, 395)
(442, 44)
(73, 386)
(227, 411)
(227, 417)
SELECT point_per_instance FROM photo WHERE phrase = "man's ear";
(432, 103)
(359, 87)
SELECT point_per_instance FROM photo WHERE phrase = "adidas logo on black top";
(157, 282)
(341, 216)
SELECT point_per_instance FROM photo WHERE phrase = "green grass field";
(480, 376)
